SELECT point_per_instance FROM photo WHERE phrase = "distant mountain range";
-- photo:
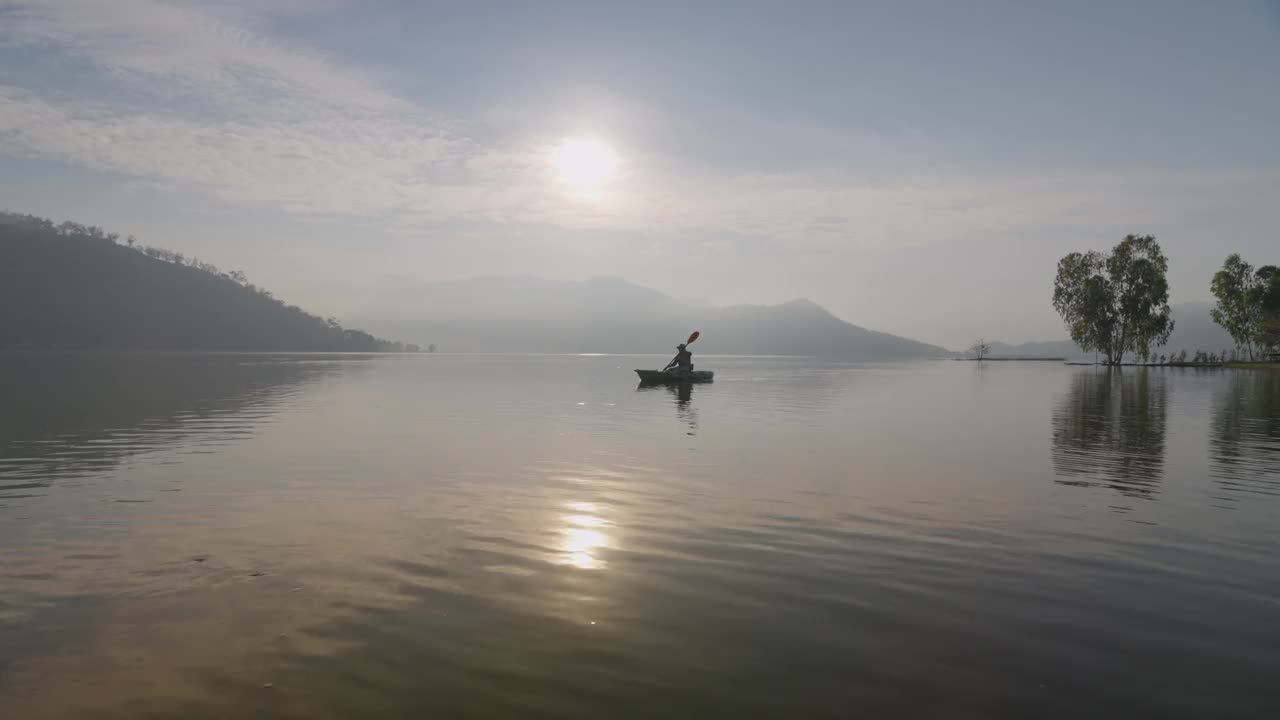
(609, 315)
(75, 286)
(1193, 330)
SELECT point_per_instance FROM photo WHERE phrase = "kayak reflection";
(682, 394)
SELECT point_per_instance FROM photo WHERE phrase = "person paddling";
(682, 362)
(679, 370)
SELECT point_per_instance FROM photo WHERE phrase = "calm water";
(325, 536)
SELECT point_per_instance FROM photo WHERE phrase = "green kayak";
(674, 376)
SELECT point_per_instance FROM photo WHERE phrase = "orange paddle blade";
(692, 337)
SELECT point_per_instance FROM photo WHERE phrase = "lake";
(321, 536)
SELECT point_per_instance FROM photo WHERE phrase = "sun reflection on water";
(581, 537)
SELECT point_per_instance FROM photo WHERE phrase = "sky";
(916, 167)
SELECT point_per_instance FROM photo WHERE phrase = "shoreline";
(1262, 365)
(1010, 359)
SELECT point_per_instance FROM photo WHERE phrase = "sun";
(586, 166)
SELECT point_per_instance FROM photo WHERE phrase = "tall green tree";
(1116, 303)
(1239, 311)
(1268, 300)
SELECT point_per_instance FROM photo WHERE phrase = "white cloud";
(191, 47)
(284, 126)
(289, 128)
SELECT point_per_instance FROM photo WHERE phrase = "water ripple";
(501, 537)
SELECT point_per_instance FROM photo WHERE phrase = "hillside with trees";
(71, 286)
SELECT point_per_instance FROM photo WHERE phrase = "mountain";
(528, 314)
(1047, 348)
(72, 286)
(1193, 330)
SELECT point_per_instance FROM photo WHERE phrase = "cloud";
(217, 105)
(276, 125)
(191, 48)
(333, 165)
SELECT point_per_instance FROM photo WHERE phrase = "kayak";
(675, 376)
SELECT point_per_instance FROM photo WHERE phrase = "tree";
(1238, 311)
(981, 349)
(1116, 303)
(1268, 301)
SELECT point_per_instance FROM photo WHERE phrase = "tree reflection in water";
(1244, 444)
(1109, 431)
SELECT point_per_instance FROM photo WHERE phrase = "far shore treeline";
(71, 286)
(1118, 303)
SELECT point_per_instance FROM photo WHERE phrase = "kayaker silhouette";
(683, 361)
(680, 369)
